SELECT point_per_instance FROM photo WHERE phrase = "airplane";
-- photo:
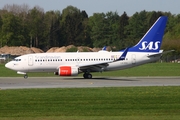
(73, 63)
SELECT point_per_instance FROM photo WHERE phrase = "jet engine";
(67, 71)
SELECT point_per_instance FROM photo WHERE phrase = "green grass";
(128, 103)
(152, 69)
(142, 103)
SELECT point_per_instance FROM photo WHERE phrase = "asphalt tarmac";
(77, 82)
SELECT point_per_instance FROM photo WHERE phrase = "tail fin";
(152, 40)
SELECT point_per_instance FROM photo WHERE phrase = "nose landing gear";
(25, 76)
(23, 73)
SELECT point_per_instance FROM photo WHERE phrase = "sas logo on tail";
(150, 46)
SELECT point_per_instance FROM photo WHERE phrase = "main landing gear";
(87, 75)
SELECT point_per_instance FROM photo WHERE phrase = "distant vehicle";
(4, 56)
(71, 64)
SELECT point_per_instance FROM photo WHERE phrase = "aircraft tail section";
(152, 40)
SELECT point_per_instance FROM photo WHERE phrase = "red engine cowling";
(67, 71)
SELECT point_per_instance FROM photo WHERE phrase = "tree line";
(32, 27)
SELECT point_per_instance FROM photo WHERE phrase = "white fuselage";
(50, 62)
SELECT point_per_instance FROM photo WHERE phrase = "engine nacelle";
(67, 71)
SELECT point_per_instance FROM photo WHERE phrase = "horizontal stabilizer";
(168, 51)
(160, 53)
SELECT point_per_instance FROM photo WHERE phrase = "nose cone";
(9, 65)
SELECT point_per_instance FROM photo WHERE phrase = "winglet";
(123, 56)
(104, 48)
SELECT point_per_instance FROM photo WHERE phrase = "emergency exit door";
(30, 60)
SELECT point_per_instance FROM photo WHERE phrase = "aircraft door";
(30, 60)
(133, 59)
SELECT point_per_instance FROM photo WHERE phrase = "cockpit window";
(16, 60)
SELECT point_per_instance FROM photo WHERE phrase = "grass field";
(152, 69)
(130, 103)
(125, 103)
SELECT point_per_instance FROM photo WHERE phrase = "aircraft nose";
(8, 65)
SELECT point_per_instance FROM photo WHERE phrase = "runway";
(77, 82)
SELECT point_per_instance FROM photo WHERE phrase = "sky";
(99, 6)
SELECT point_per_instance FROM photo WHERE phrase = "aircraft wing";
(94, 67)
(100, 66)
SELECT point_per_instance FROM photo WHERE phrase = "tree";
(136, 28)
(73, 28)
(96, 24)
(86, 40)
(21, 12)
(51, 34)
(12, 33)
(111, 29)
(73, 25)
(153, 16)
(123, 22)
(35, 24)
(1, 40)
(104, 29)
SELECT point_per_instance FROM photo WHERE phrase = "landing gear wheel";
(25, 76)
(87, 76)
